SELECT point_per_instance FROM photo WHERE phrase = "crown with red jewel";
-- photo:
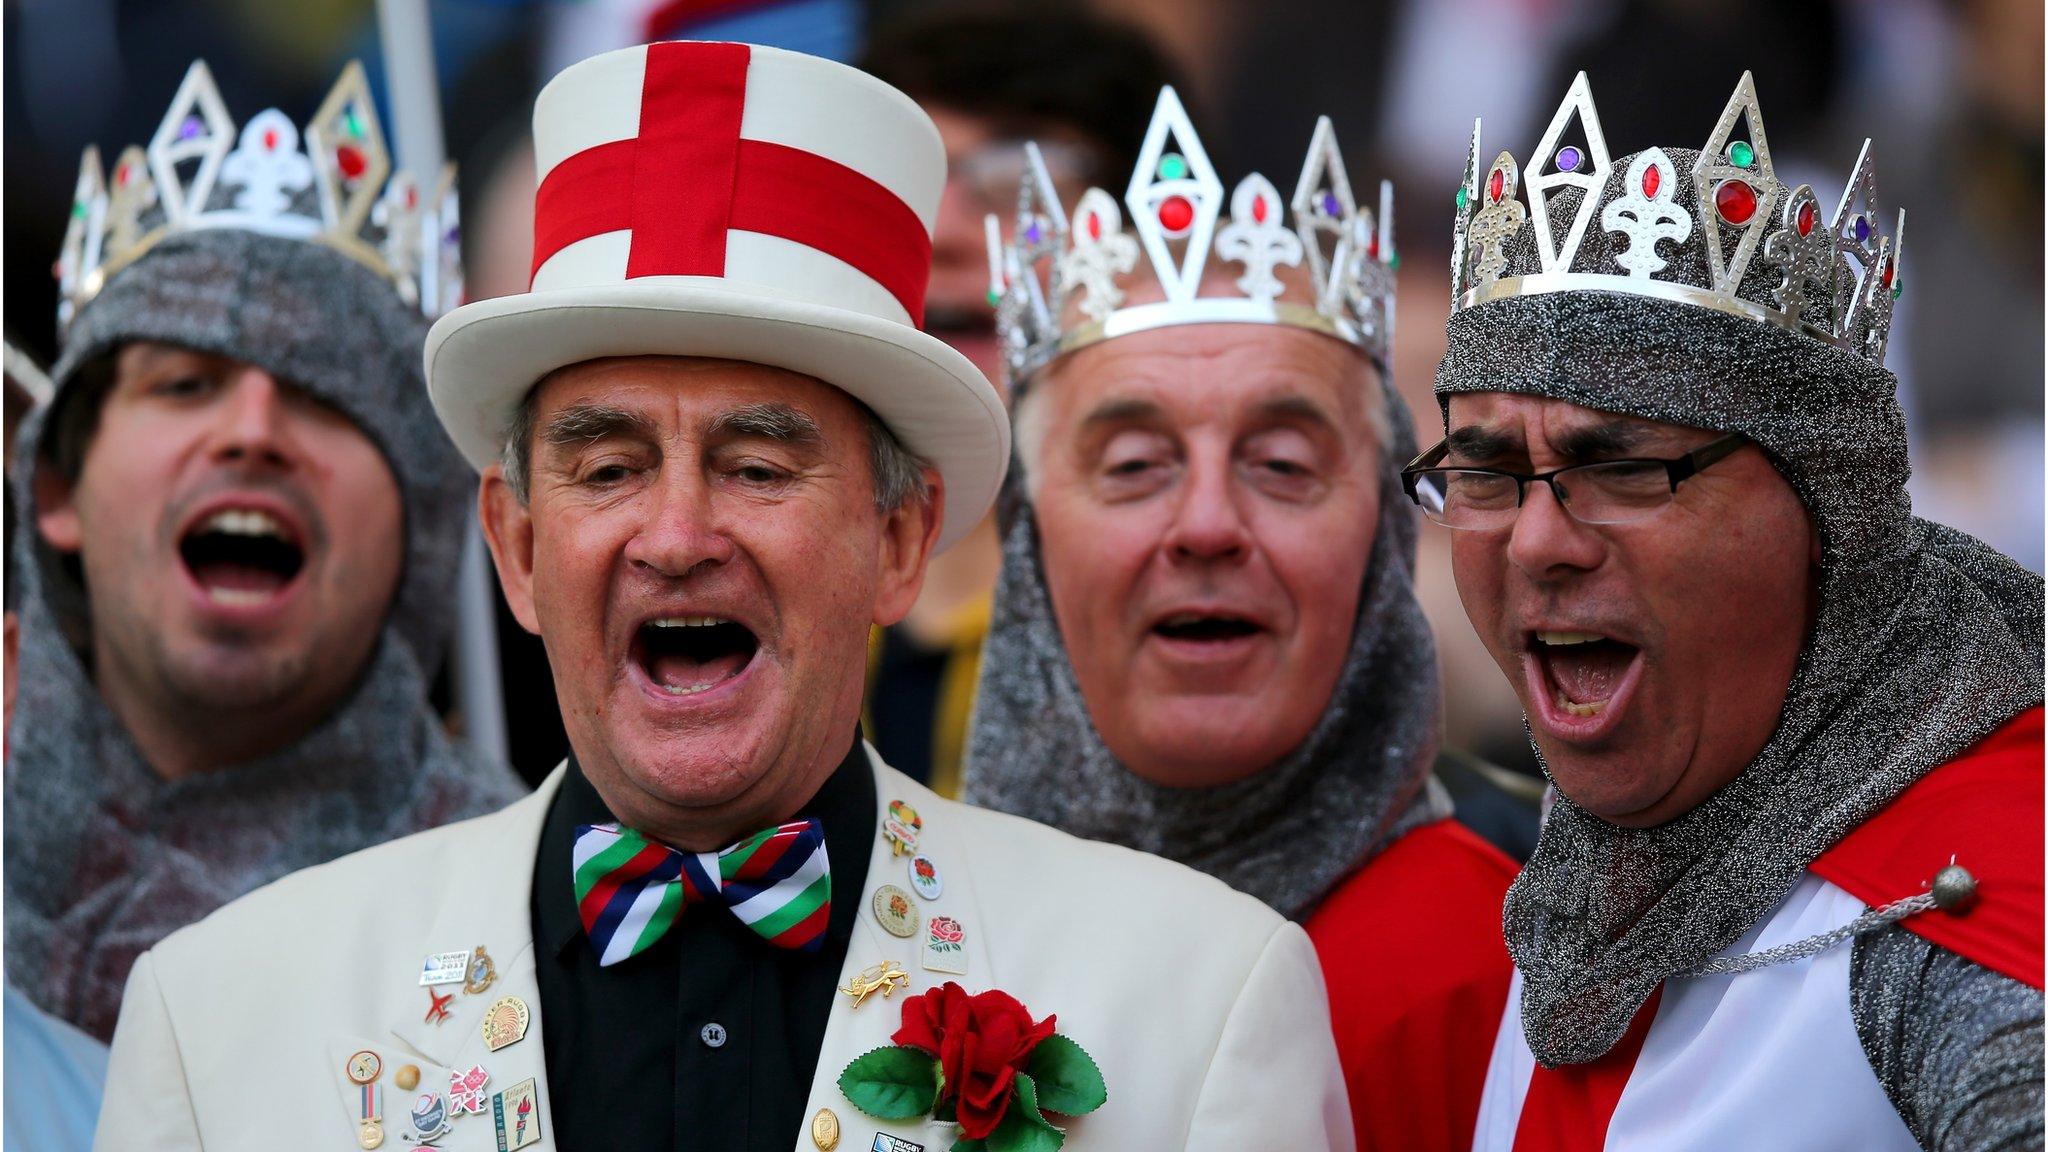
(1058, 284)
(200, 172)
(1729, 236)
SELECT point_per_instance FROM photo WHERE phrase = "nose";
(254, 428)
(1546, 541)
(1208, 526)
(682, 532)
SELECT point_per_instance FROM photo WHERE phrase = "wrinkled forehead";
(1486, 424)
(683, 390)
(1210, 373)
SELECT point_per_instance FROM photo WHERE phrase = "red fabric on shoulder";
(1418, 977)
(1984, 809)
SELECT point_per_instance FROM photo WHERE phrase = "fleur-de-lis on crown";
(1645, 213)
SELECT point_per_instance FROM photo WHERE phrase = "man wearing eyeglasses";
(1789, 892)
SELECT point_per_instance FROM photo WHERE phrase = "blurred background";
(1951, 92)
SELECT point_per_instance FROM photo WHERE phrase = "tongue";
(679, 673)
(1588, 673)
(246, 579)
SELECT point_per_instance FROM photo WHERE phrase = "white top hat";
(740, 202)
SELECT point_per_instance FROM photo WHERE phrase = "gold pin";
(885, 978)
(505, 1023)
(482, 973)
(825, 1130)
(408, 1077)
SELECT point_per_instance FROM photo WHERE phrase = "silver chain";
(1870, 921)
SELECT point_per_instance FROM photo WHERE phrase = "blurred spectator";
(991, 77)
(244, 524)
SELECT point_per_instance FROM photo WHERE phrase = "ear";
(57, 509)
(910, 535)
(508, 529)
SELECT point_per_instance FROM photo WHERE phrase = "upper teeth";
(244, 522)
(1569, 637)
(686, 622)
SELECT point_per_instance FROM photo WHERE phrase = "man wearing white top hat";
(716, 450)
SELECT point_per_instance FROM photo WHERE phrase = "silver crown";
(1057, 286)
(200, 172)
(1746, 245)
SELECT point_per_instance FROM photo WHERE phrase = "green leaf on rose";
(895, 1083)
(1067, 1079)
(963, 1144)
(1023, 1127)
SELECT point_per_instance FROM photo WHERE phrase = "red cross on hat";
(739, 202)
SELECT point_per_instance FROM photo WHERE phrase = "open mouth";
(685, 655)
(1205, 627)
(1582, 670)
(242, 556)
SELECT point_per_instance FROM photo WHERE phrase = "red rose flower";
(982, 1042)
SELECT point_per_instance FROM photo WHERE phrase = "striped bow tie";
(630, 890)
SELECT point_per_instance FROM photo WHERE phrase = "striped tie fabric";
(630, 890)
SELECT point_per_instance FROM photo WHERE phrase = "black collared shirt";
(709, 1039)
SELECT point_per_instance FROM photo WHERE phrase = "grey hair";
(1029, 415)
(898, 472)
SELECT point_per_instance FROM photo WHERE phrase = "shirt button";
(712, 1034)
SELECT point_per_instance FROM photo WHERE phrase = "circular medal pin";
(364, 1067)
(924, 877)
(893, 909)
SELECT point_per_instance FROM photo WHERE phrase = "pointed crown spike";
(201, 171)
(1714, 228)
(1175, 202)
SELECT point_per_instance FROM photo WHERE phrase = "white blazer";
(1204, 1009)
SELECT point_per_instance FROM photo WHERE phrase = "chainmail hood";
(1926, 641)
(1287, 834)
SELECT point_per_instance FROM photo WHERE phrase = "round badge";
(370, 1135)
(408, 1077)
(364, 1067)
(924, 877)
(894, 910)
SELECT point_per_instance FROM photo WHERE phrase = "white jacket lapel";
(853, 1032)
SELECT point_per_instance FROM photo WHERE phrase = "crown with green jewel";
(1725, 235)
(1060, 283)
(200, 172)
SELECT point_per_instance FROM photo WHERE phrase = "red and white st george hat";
(740, 202)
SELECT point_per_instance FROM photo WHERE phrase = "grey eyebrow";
(586, 423)
(770, 421)
(1611, 438)
(1296, 408)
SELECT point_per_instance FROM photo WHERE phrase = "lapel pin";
(505, 1024)
(364, 1067)
(825, 1130)
(900, 828)
(370, 1133)
(945, 946)
(480, 974)
(885, 978)
(924, 877)
(429, 1119)
(445, 968)
(437, 1011)
(887, 1143)
(408, 1077)
(893, 909)
(466, 1091)
(516, 1112)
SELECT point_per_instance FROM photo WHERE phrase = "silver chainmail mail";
(1927, 641)
(1288, 834)
(103, 856)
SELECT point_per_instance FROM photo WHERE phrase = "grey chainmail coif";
(1287, 834)
(1926, 640)
(105, 857)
